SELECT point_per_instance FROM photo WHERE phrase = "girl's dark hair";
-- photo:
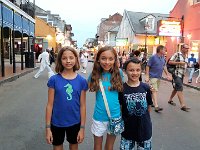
(137, 53)
(132, 60)
(59, 67)
(116, 80)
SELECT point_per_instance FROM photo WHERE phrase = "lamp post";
(146, 27)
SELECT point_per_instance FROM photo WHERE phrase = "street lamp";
(146, 27)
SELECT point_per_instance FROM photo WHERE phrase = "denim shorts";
(130, 144)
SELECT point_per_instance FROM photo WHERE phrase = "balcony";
(29, 8)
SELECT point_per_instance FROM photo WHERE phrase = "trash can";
(29, 59)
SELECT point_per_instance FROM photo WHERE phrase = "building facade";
(138, 30)
(17, 29)
(189, 13)
(105, 26)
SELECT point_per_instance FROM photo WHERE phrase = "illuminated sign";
(169, 28)
(121, 41)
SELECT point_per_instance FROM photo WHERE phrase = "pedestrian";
(43, 58)
(191, 63)
(52, 56)
(154, 71)
(136, 104)
(66, 106)
(144, 62)
(179, 59)
(137, 56)
(105, 68)
(84, 60)
(124, 57)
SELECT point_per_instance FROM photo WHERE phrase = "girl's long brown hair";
(116, 80)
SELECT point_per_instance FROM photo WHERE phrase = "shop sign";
(121, 41)
(169, 28)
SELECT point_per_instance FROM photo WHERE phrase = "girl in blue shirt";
(66, 107)
(105, 68)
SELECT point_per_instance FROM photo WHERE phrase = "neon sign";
(169, 28)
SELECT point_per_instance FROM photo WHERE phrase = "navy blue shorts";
(60, 132)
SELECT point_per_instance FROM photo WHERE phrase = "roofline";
(129, 20)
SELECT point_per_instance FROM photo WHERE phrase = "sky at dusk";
(85, 15)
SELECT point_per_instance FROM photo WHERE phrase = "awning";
(17, 22)
(0, 16)
(25, 25)
(32, 29)
(7, 17)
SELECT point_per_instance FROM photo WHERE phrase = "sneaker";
(184, 108)
(171, 103)
(158, 109)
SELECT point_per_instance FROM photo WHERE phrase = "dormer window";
(196, 1)
(150, 23)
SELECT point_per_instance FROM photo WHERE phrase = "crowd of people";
(128, 100)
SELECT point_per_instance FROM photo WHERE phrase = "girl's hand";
(81, 135)
(49, 136)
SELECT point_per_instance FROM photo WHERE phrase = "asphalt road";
(22, 113)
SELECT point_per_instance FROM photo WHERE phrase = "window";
(196, 1)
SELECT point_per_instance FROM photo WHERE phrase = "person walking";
(84, 60)
(154, 71)
(179, 59)
(136, 104)
(105, 68)
(66, 106)
(191, 63)
(43, 58)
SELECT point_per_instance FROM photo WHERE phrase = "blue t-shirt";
(100, 113)
(66, 106)
(191, 62)
(135, 102)
(156, 65)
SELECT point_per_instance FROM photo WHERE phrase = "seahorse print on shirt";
(69, 91)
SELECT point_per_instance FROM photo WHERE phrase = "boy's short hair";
(133, 60)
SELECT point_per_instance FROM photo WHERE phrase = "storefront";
(17, 36)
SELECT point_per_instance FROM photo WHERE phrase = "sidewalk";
(10, 76)
(185, 82)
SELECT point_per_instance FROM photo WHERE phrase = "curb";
(16, 76)
(191, 86)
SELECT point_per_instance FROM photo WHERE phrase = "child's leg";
(98, 142)
(145, 145)
(126, 144)
(73, 146)
(110, 140)
(59, 147)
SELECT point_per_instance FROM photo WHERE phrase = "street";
(22, 117)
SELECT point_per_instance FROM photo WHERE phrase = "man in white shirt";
(84, 61)
(44, 59)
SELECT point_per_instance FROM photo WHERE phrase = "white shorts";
(98, 128)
